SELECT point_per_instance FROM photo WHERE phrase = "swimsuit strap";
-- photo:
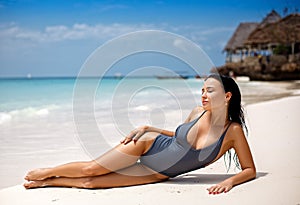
(185, 127)
(224, 133)
(202, 114)
(196, 120)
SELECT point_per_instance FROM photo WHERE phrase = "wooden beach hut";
(236, 49)
(269, 50)
(283, 34)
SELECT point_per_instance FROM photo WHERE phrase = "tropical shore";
(273, 138)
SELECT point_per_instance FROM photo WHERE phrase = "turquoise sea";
(44, 97)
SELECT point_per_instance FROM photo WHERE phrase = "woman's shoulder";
(236, 130)
(235, 125)
(195, 113)
(198, 110)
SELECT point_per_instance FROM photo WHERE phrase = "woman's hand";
(135, 135)
(222, 187)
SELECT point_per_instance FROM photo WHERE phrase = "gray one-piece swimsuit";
(172, 156)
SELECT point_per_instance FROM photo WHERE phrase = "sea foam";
(26, 112)
(4, 117)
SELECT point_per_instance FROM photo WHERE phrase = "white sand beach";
(274, 141)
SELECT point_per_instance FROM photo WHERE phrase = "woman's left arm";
(243, 152)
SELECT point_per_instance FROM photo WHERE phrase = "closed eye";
(210, 90)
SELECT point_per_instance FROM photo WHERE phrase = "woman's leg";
(136, 174)
(117, 158)
(73, 169)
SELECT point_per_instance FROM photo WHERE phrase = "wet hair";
(235, 109)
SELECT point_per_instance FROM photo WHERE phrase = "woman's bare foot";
(38, 174)
(34, 184)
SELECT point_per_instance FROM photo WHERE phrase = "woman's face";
(213, 95)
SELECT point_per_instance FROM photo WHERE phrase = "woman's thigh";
(136, 174)
(123, 156)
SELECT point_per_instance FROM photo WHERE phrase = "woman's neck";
(219, 117)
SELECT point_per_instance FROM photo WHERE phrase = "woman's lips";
(204, 102)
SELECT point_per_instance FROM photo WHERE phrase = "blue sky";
(54, 38)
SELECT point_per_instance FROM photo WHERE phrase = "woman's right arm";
(140, 131)
(161, 131)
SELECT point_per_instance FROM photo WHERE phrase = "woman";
(207, 134)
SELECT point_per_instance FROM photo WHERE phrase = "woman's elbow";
(252, 173)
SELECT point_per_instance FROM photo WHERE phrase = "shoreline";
(258, 94)
(273, 141)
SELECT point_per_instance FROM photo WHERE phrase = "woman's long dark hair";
(235, 109)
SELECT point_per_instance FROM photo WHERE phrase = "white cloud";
(180, 44)
(14, 37)
(76, 32)
(100, 31)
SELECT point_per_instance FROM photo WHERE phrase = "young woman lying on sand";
(150, 155)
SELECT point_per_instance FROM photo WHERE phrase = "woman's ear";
(228, 96)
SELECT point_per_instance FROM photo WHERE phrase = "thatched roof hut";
(269, 50)
(284, 31)
(240, 35)
(272, 17)
(243, 31)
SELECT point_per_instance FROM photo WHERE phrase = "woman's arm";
(138, 132)
(161, 131)
(248, 172)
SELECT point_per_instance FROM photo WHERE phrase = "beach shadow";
(205, 178)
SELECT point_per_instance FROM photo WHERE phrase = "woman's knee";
(91, 169)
